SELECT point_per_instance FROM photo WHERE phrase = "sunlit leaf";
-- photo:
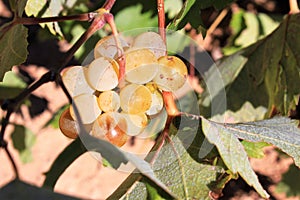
(13, 48)
(232, 153)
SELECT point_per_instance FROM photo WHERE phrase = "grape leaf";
(18, 6)
(232, 153)
(13, 48)
(11, 86)
(132, 17)
(23, 140)
(17, 189)
(280, 131)
(270, 76)
(290, 182)
(185, 177)
(255, 149)
(33, 7)
(55, 7)
(190, 13)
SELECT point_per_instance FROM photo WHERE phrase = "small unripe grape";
(68, 125)
(109, 101)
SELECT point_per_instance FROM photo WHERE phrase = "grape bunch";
(114, 111)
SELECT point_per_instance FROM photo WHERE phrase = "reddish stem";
(170, 104)
(108, 4)
(161, 19)
(109, 18)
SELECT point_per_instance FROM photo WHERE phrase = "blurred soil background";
(86, 178)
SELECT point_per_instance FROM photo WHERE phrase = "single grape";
(135, 98)
(106, 47)
(75, 82)
(141, 66)
(111, 126)
(157, 99)
(172, 73)
(109, 101)
(87, 107)
(102, 74)
(68, 125)
(136, 123)
(152, 41)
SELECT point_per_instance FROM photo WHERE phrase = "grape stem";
(109, 18)
(10, 105)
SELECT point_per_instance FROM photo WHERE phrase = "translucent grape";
(111, 126)
(87, 107)
(109, 101)
(136, 123)
(141, 66)
(172, 73)
(68, 125)
(102, 74)
(135, 98)
(157, 99)
(152, 41)
(106, 47)
(75, 82)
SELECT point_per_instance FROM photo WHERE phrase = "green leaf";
(33, 7)
(172, 7)
(185, 177)
(152, 193)
(280, 131)
(290, 182)
(255, 149)
(132, 18)
(232, 153)
(11, 86)
(190, 13)
(16, 190)
(246, 113)
(18, 6)
(23, 140)
(13, 48)
(270, 76)
(174, 25)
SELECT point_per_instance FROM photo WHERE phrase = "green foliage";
(265, 73)
(280, 131)
(17, 6)
(247, 28)
(23, 140)
(16, 190)
(232, 153)
(174, 166)
(11, 86)
(132, 18)
(190, 13)
(13, 47)
(290, 182)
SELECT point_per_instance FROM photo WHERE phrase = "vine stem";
(161, 19)
(32, 21)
